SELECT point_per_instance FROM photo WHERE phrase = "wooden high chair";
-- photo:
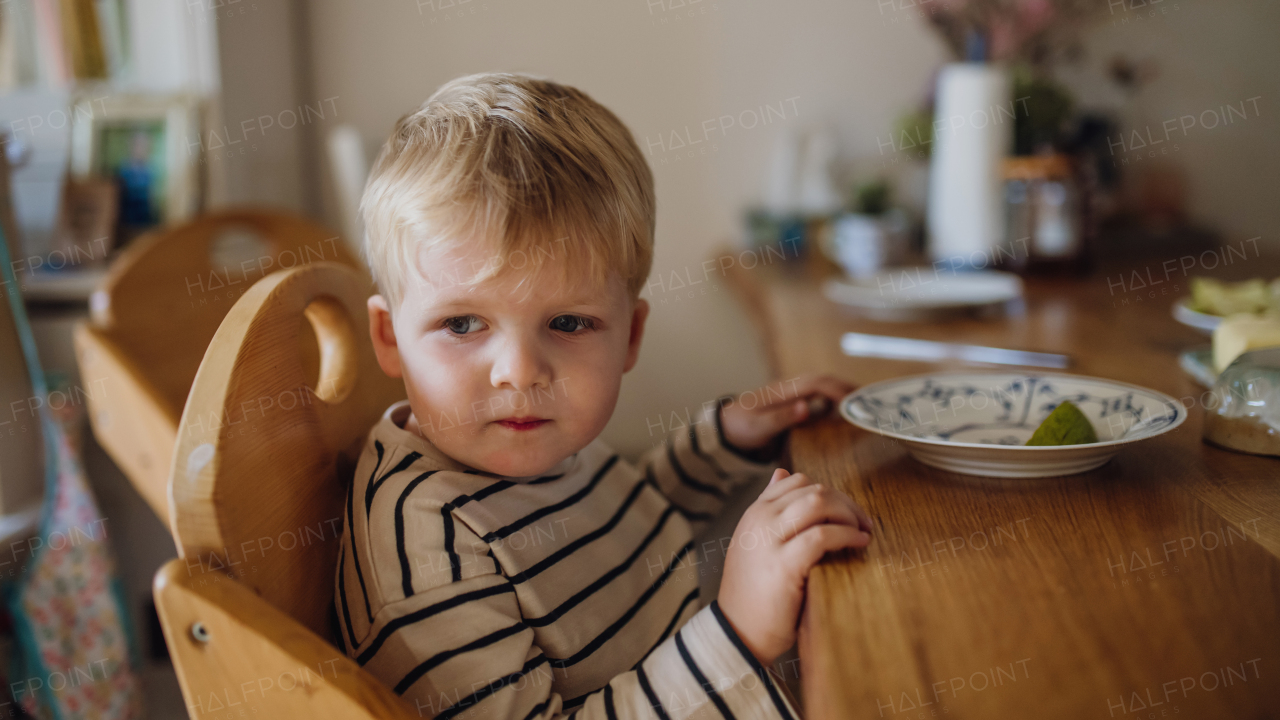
(154, 315)
(278, 413)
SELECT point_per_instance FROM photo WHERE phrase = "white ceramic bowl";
(1204, 322)
(977, 423)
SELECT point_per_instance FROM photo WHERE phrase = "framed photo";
(88, 217)
(150, 147)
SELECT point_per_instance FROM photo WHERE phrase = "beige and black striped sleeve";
(458, 646)
(464, 651)
(696, 468)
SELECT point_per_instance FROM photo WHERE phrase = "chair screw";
(199, 632)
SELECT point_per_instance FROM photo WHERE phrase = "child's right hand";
(784, 533)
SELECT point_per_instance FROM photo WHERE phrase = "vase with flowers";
(983, 113)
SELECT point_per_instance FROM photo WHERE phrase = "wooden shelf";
(66, 286)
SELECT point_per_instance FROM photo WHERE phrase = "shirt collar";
(391, 429)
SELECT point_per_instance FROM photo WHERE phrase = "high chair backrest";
(280, 407)
(156, 311)
(169, 290)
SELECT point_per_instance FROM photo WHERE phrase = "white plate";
(1198, 363)
(915, 292)
(1183, 313)
(978, 423)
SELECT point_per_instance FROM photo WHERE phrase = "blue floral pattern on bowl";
(1000, 412)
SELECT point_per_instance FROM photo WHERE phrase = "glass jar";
(1243, 413)
(1046, 225)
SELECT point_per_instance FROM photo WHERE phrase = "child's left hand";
(754, 419)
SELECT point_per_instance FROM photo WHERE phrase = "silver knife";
(899, 348)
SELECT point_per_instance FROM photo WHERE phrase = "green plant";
(871, 198)
(1042, 111)
(914, 132)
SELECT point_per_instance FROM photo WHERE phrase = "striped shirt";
(571, 594)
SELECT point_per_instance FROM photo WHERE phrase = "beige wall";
(664, 65)
(661, 68)
(1208, 54)
(254, 149)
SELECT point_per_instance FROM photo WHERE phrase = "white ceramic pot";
(863, 244)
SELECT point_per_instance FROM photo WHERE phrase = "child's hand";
(753, 419)
(781, 536)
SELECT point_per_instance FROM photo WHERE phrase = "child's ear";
(638, 317)
(383, 334)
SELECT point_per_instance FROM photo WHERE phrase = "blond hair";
(513, 161)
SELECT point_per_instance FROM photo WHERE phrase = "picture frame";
(88, 213)
(150, 145)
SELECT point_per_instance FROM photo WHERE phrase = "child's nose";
(520, 365)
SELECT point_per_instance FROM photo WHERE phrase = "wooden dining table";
(1147, 588)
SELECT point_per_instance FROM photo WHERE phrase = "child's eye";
(571, 323)
(463, 324)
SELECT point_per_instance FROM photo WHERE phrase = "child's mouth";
(523, 423)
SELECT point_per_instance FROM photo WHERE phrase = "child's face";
(512, 374)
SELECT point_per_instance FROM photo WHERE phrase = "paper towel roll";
(972, 133)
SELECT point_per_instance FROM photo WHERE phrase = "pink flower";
(1004, 40)
(1036, 14)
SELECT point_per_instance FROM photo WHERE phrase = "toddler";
(498, 560)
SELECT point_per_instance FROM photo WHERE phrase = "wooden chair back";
(153, 317)
(278, 413)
